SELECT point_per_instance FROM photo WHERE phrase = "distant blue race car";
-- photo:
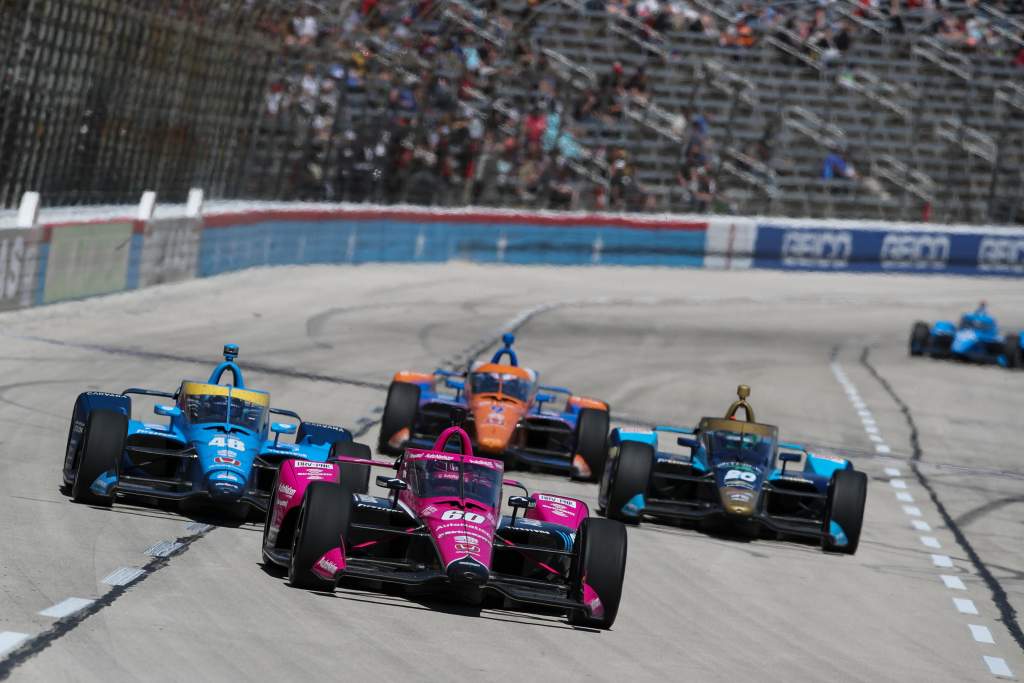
(215, 447)
(737, 475)
(976, 338)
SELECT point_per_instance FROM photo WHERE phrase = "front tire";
(1013, 351)
(356, 477)
(919, 335)
(400, 410)
(600, 562)
(845, 506)
(322, 525)
(592, 441)
(101, 450)
(629, 479)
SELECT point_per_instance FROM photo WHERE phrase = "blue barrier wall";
(276, 240)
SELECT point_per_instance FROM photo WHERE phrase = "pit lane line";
(997, 666)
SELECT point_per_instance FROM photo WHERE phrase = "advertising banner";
(170, 250)
(896, 250)
(86, 259)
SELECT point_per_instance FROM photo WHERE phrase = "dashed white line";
(66, 607)
(163, 548)
(882, 448)
(942, 560)
(930, 542)
(875, 438)
(997, 666)
(892, 471)
(981, 634)
(904, 497)
(965, 606)
(953, 582)
(897, 483)
(198, 528)
(123, 576)
(912, 510)
(920, 526)
(10, 640)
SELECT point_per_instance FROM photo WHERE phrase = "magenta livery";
(440, 529)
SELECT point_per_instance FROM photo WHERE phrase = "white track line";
(965, 606)
(9, 640)
(981, 634)
(122, 576)
(953, 582)
(163, 548)
(997, 667)
(66, 607)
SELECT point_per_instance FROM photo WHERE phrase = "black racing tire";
(400, 410)
(356, 477)
(600, 561)
(592, 440)
(845, 505)
(1013, 351)
(631, 476)
(323, 522)
(919, 335)
(269, 565)
(101, 450)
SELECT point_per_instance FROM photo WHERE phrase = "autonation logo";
(1001, 254)
(913, 250)
(817, 248)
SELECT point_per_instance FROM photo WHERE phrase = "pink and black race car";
(441, 528)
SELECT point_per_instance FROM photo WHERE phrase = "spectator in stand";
(836, 167)
(702, 190)
(637, 86)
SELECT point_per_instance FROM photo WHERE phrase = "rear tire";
(592, 441)
(1013, 351)
(322, 524)
(600, 561)
(101, 450)
(919, 335)
(400, 410)
(357, 477)
(845, 506)
(630, 477)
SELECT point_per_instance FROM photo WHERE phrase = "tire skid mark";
(1007, 612)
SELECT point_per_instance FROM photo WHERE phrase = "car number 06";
(470, 517)
(740, 474)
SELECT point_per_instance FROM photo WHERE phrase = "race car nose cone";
(491, 444)
(468, 570)
(225, 486)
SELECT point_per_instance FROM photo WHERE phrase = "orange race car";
(504, 409)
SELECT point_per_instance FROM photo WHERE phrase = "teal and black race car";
(215, 450)
(738, 474)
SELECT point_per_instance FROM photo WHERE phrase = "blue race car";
(215, 447)
(976, 338)
(504, 409)
(737, 475)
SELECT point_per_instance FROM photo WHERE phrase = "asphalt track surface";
(662, 346)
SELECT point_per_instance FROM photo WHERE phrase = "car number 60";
(470, 517)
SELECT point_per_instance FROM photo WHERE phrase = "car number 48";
(227, 442)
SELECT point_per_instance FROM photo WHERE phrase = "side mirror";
(544, 398)
(283, 428)
(391, 483)
(167, 411)
(689, 443)
(790, 457)
(521, 502)
(280, 428)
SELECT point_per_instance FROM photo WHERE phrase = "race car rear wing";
(149, 392)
